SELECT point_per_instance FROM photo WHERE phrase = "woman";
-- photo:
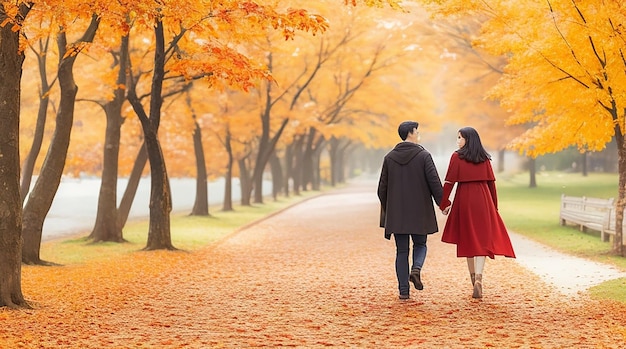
(474, 223)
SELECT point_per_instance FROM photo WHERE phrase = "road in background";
(75, 205)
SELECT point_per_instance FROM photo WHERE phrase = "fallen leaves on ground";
(317, 275)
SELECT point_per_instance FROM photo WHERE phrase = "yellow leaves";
(565, 76)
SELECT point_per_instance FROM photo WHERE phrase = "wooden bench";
(610, 232)
(588, 213)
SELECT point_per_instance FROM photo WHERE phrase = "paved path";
(570, 275)
(315, 275)
(321, 274)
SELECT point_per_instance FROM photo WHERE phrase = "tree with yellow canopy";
(566, 74)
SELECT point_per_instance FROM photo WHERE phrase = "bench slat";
(592, 213)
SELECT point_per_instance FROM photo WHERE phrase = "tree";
(12, 58)
(468, 72)
(268, 138)
(44, 190)
(231, 123)
(108, 226)
(44, 100)
(187, 58)
(352, 101)
(566, 75)
(201, 204)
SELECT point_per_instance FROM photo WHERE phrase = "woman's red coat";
(474, 224)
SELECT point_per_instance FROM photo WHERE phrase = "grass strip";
(534, 213)
(187, 232)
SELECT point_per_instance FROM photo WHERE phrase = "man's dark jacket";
(408, 184)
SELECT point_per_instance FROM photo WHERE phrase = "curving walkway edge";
(569, 274)
(318, 274)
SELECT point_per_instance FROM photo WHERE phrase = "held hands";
(445, 203)
(446, 210)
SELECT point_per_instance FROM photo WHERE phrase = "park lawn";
(188, 232)
(534, 213)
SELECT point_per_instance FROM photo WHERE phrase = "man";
(408, 184)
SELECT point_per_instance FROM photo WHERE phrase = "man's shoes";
(404, 296)
(415, 279)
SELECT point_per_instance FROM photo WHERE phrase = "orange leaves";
(221, 66)
(300, 19)
(220, 297)
(288, 22)
(75, 49)
(250, 7)
(10, 15)
(377, 3)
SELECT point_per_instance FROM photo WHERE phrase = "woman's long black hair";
(473, 150)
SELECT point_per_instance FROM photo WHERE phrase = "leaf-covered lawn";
(319, 274)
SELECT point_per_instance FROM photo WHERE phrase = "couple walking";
(408, 184)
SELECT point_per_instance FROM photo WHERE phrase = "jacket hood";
(404, 152)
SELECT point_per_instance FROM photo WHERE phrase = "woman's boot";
(478, 286)
(471, 268)
(473, 277)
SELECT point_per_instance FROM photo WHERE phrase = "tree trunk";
(257, 179)
(532, 170)
(337, 164)
(277, 175)
(341, 162)
(610, 160)
(288, 168)
(297, 164)
(159, 231)
(257, 173)
(583, 164)
(266, 147)
(126, 203)
(307, 160)
(11, 60)
(333, 151)
(228, 180)
(201, 205)
(317, 177)
(42, 195)
(244, 182)
(44, 99)
(501, 154)
(107, 226)
(159, 237)
(317, 172)
(618, 242)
